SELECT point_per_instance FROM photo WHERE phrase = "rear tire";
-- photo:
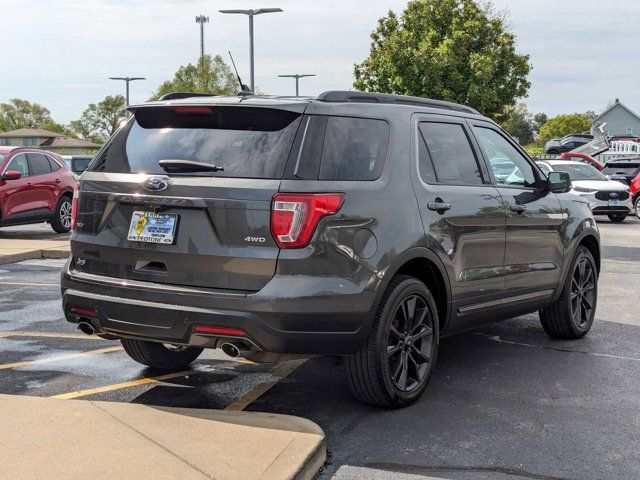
(572, 315)
(61, 222)
(636, 206)
(617, 217)
(394, 366)
(157, 355)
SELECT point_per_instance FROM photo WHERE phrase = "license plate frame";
(614, 203)
(152, 227)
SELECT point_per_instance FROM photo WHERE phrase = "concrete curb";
(79, 439)
(58, 252)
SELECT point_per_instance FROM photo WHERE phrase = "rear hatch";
(182, 195)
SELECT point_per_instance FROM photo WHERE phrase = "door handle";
(518, 208)
(439, 206)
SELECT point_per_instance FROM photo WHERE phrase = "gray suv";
(359, 225)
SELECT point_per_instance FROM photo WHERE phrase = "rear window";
(246, 142)
(621, 169)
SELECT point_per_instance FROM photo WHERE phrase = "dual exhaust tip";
(234, 350)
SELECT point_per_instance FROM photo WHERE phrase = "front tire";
(159, 355)
(394, 366)
(61, 222)
(617, 217)
(571, 316)
(636, 206)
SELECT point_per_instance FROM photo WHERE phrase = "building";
(52, 141)
(619, 119)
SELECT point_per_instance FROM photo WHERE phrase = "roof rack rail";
(179, 95)
(367, 97)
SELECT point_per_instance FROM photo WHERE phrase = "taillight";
(295, 216)
(74, 206)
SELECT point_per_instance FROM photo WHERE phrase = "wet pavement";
(505, 402)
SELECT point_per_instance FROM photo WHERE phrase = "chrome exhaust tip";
(231, 349)
(86, 328)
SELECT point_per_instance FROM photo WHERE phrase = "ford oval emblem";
(156, 184)
(613, 195)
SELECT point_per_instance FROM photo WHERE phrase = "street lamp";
(127, 80)
(201, 19)
(298, 76)
(251, 14)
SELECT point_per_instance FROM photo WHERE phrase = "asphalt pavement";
(505, 402)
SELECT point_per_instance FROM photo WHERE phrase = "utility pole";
(251, 14)
(127, 80)
(298, 76)
(201, 19)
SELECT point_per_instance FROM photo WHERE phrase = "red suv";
(35, 186)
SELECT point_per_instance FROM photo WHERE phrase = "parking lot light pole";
(127, 80)
(298, 76)
(251, 14)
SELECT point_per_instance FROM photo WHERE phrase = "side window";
(450, 153)
(53, 164)
(19, 163)
(38, 163)
(425, 164)
(354, 149)
(508, 165)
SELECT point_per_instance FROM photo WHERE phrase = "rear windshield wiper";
(182, 166)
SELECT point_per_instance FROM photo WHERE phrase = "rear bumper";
(291, 314)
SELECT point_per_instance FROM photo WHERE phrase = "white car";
(606, 197)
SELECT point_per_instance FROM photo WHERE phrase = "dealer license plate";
(614, 203)
(152, 227)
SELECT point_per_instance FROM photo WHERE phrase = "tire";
(617, 217)
(372, 372)
(158, 355)
(553, 152)
(636, 206)
(61, 222)
(561, 319)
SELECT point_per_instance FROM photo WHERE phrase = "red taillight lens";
(295, 216)
(74, 206)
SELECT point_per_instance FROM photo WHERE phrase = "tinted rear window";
(621, 169)
(247, 142)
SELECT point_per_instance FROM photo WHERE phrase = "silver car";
(605, 196)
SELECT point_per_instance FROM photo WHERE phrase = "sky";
(60, 53)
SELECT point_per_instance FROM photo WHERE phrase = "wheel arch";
(424, 265)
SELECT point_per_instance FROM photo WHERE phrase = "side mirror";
(11, 175)
(559, 182)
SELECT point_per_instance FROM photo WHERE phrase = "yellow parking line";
(30, 284)
(143, 381)
(118, 386)
(280, 372)
(58, 358)
(75, 336)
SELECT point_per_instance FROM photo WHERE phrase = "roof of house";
(68, 142)
(617, 103)
(30, 132)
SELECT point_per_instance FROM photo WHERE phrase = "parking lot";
(505, 400)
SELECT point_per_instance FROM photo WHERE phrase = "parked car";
(77, 163)
(360, 225)
(605, 196)
(35, 186)
(626, 170)
(568, 143)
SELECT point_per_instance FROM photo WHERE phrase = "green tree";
(456, 50)
(539, 119)
(210, 75)
(564, 124)
(100, 120)
(20, 113)
(518, 122)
